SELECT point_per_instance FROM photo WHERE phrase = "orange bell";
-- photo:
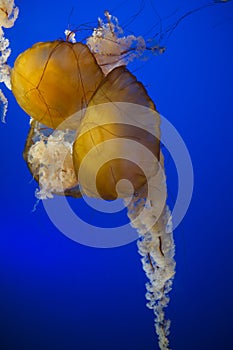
(53, 80)
(118, 139)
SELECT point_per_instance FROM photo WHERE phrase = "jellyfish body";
(53, 80)
(110, 122)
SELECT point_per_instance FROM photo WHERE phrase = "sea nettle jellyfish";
(96, 132)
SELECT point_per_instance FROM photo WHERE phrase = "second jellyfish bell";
(117, 148)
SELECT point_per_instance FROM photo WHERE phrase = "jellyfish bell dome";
(53, 80)
(118, 139)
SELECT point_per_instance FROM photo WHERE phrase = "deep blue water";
(58, 294)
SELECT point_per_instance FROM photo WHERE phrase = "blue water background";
(57, 294)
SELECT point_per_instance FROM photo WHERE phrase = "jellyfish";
(83, 103)
(95, 131)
